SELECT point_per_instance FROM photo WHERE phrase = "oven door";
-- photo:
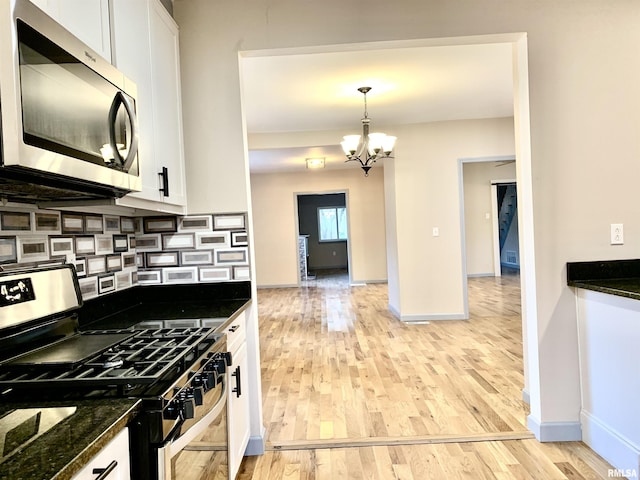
(175, 463)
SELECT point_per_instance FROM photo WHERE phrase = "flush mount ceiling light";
(315, 162)
(368, 147)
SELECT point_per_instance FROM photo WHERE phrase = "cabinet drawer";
(117, 450)
(236, 333)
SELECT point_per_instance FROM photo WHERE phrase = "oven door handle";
(175, 446)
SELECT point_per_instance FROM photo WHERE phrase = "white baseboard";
(474, 275)
(610, 445)
(256, 444)
(434, 317)
(525, 397)
(426, 317)
(554, 431)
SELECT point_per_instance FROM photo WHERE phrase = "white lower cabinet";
(115, 456)
(238, 419)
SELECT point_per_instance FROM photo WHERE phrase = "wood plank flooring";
(350, 392)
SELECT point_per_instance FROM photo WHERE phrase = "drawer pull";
(234, 328)
(238, 389)
(103, 473)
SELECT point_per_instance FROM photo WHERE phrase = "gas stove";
(123, 359)
(176, 368)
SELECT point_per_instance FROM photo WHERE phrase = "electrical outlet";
(617, 234)
(436, 232)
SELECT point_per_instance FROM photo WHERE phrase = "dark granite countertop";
(623, 287)
(615, 277)
(62, 436)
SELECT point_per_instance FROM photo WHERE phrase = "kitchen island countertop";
(615, 277)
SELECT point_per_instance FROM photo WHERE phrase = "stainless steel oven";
(68, 117)
(197, 402)
(177, 370)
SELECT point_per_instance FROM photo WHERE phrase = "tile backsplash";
(113, 252)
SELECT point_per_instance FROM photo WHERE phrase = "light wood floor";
(350, 392)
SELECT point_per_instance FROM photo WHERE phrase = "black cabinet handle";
(165, 181)
(238, 389)
(234, 328)
(103, 473)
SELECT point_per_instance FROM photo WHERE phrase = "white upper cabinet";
(146, 49)
(86, 19)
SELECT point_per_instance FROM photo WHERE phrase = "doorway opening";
(505, 237)
(489, 219)
(323, 238)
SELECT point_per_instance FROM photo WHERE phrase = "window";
(332, 224)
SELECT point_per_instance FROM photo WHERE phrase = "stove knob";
(227, 358)
(198, 395)
(172, 411)
(188, 408)
(209, 380)
(197, 380)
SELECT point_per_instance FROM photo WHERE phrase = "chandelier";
(368, 147)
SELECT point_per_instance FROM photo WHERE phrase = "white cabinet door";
(117, 450)
(167, 100)
(238, 421)
(86, 19)
(145, 49)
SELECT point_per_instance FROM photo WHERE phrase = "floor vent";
(511, 256)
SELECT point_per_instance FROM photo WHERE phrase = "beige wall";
(477, 203)
(584, 78)
(427, 195)
(275, 218)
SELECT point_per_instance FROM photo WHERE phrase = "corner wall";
(426, 195)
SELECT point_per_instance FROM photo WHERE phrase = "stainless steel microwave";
(68, 117)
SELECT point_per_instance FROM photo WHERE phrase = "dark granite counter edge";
(97, 445)
(629, 290)
(614, 277)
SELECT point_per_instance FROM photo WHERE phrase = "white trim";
(525, 396)
(609, 444)
(474, 275)
(434, 317)
(385, 44)
(288, 285)
(555, 431)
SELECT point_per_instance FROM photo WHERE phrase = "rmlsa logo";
(622, 473)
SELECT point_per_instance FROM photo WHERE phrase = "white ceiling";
(317, 92)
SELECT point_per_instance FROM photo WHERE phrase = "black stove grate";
(142, 358)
